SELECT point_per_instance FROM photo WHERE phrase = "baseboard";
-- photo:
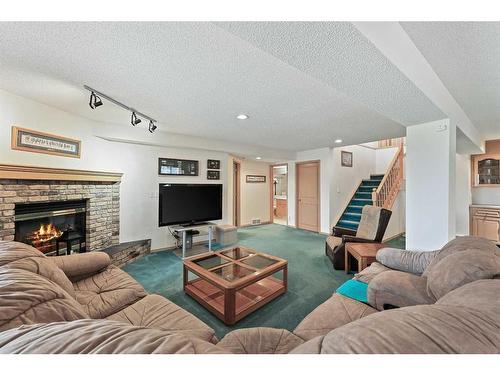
(254, 225)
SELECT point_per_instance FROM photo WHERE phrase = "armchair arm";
(398, 289)
(405, 260)
(339, 232)
(347, 238)
(80, 266)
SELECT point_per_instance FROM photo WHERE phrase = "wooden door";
(308, 196)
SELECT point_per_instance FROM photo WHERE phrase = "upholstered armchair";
(372, 226)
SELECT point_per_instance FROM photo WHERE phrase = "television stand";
(184, 229)
(190, 225)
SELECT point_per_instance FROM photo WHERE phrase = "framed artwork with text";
(45, 143)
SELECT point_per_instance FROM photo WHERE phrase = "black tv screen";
(189, 203)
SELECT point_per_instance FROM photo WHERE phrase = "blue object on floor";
(354, 289)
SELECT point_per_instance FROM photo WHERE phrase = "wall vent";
(255, 221)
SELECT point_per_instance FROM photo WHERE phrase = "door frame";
(236, 193)
(297, 164)
(271, 191)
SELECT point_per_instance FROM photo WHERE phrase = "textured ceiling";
(466, 57)
(302, 84)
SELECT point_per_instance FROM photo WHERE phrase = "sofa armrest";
(339, 232)
(259, 340)
(80, 266)
(398, 289)
(406, 260)
(347, 238)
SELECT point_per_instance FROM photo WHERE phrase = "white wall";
(383, 158)
(430, 184)
(139, 164)
(255, 197)
(463, 194)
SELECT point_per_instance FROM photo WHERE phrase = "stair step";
(363, 195)
(348, 224)
(354, 209)
(351, 216)
(378, 177)
(367, 189)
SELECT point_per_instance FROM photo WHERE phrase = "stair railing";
(386, 193)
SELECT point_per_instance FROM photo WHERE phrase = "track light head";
(152, 126)
(95, 101)
(134, 120)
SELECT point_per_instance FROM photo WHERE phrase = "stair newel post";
(374, 197)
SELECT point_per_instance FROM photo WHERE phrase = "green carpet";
(311, 278)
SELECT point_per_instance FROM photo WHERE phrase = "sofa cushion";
(407, 261)
(461, 244)
(333, 313)
(424, 329)
(480, 295)
(460, 268)
(259, 340)
(27, 298)
(157, 312)
(21, 256)
(108, 292)
(99, 337)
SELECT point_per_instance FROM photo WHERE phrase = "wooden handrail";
(386, 193)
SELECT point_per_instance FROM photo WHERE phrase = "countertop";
(485, 206)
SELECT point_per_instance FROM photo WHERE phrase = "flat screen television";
(189, 203)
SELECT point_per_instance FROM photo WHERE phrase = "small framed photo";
(213, 164)
(213, 175)
(346, 158)
(255, 179)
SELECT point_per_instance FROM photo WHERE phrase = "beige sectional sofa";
(445, 301)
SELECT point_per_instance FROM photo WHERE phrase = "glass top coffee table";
(233, 283)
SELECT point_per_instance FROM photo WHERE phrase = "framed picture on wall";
(255, 179)
(177, 167)
(213, 175)
(45, 143)
(213, 164)
(346, 158)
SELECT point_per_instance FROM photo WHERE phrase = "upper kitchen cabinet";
(486, 167)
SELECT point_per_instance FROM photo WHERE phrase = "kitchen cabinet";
(485, 222)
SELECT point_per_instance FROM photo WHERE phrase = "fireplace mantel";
(26, 172)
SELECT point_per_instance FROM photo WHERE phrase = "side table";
(364, 253)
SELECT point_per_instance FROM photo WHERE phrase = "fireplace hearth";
(48, 226)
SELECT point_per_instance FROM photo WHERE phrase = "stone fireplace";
(37, 205)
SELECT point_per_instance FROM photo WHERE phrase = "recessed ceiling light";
(258, 158)
(338, 141)
(242, 116)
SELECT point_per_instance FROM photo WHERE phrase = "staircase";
(363, 196)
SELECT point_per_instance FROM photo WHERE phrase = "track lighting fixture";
(95, 101)
(152, 126)
(134, 119)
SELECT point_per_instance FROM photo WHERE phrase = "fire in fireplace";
(48, 226)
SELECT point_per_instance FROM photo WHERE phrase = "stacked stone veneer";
(103, 206)
(127, 252)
